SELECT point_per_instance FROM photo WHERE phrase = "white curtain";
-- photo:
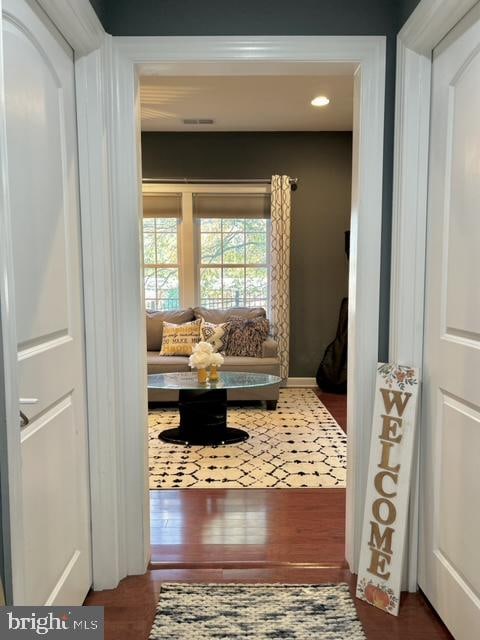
(280, 268)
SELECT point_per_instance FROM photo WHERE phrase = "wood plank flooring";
(252, 535)
(221, 527)
(336, 404)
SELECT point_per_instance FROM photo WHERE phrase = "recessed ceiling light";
(320, 101)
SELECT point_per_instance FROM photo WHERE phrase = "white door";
(43, 189)
(450, 430)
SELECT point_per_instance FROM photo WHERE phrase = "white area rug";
(298, 445)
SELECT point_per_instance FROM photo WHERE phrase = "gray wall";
(320, 212)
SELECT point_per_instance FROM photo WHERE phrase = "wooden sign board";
(388, 486)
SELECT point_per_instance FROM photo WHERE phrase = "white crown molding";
(77, 22)
(232, 50)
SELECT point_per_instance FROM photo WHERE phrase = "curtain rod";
(293, 181)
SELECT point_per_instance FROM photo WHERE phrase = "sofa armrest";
(269, 348)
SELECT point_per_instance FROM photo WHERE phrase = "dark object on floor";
(203, 420)
(332, 372)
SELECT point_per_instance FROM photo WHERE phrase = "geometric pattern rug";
(260, 612)
(298, 445)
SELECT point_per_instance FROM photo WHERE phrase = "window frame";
(189, 233)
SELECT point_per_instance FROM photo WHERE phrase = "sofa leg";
(271, 405)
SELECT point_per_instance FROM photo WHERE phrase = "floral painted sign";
(388, 486)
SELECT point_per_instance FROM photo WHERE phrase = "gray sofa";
(268, 363)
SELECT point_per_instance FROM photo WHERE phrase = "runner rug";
(298, 445)
(257, 612)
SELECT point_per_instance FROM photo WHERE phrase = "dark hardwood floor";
(336, 404)
(237, 527)
(252, 535)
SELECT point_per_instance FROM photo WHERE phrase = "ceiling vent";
(198, 121)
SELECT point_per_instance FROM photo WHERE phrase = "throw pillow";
(179, 339)
(247, 337)
(215, 334)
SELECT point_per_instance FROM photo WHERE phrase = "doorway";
(208, 235)
(277, 57)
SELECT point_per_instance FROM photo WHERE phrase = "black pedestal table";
(203, 406)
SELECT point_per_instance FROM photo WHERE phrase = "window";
(205, 248)
(160, 237)
(160, 253)
(233, 267)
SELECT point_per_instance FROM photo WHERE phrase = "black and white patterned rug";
(256, 612)
(298, 445)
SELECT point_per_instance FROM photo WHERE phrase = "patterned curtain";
(280, 268)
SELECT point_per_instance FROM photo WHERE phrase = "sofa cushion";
(217, 316)
(247, 337)
(166, 364)
(155, 321)
(251, 365)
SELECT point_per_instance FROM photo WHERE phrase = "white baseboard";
(301, 382)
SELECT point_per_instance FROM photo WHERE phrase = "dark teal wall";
(279, 17)
(320, 212)
(252, 17)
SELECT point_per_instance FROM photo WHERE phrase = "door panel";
(43, 190)
(49, 388)
(460, 443)
(449, 562)
(463, 170)
(48, 451)
(36, 104)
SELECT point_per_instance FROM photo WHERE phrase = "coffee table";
(203, 407)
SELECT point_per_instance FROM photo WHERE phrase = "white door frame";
(186, 55)
(428, 24)
(109, 146)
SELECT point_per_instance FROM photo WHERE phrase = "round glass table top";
(228, 380)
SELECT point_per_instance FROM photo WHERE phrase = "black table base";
(203, 420)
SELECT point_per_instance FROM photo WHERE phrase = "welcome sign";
(388, 487)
